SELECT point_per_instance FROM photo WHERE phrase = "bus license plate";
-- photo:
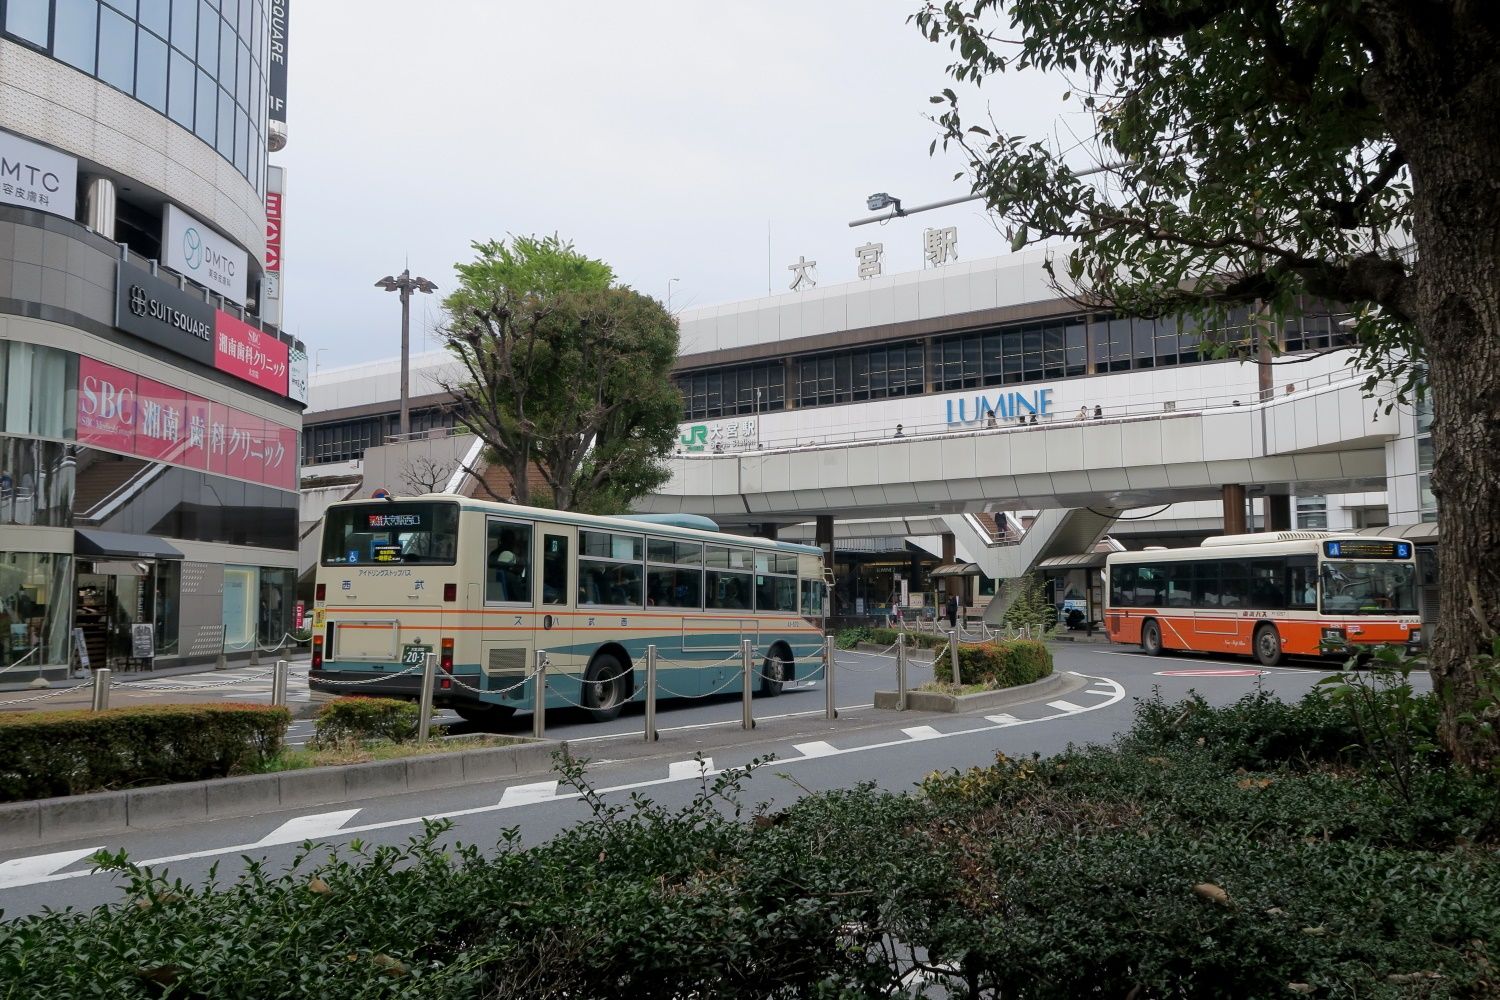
(413, 655)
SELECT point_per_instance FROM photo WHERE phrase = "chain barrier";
(159, 687)
(29, 654)
(733, 679)
(56, 692)
(280, 644)
(369, 680)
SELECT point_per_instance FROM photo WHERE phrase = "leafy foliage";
(1030, 609)
(1004, 662)
(355, 719)
(563, 371)
(44, 754)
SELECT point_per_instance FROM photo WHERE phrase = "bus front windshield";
(1369, 588)
(391, 532)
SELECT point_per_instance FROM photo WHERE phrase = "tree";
(564, 371)
(425, 474)
(1258, 151)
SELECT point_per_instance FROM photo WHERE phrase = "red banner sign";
(244, 352)
(127, 413)
(273, 231)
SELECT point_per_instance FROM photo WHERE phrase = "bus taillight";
(320, 591)
(450, 592)
(317, 650)
(447, 660)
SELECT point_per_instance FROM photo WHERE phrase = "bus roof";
(1270, 543)
(667, 525)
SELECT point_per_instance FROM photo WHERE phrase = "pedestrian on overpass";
(989, 419)
(1083, 412)
(898, 431)
(1098, 412)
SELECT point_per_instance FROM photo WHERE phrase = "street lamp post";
(669, 292)
(405, 284)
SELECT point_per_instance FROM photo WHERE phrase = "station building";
(983, 348)
(150, 407)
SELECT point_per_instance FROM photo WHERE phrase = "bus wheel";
(1268, 646)
(486, 715)
(1151, 638)
(605, 688)
(773, 673)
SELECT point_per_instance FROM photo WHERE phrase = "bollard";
(952, 655)
(900, 673)
(539, 697)
(829, 711)
(278, 683)
(747, 668)
(651, 735)
(429, 678)
(101, 689)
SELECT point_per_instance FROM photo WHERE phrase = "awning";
(117, 545)
(956, 569)
(1087, 560)
(1422, 534)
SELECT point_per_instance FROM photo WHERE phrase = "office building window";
(1312, 513)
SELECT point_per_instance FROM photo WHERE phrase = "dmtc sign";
(1006, 406)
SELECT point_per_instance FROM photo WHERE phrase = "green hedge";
(1005, 662)
(45, 754)
(350, 720)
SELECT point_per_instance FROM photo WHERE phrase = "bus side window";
(555, 569)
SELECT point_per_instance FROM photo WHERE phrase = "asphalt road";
(892, 750)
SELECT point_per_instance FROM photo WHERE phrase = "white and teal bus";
(486, 586)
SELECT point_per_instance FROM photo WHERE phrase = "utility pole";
(406, 284)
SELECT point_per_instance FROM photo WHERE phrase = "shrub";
(851, 637)
(1030, 608)
(1005, 662)
(350, 720)
(45, 754)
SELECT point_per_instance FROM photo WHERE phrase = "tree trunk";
(1439, 97)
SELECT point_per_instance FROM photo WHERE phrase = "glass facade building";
(201, 63)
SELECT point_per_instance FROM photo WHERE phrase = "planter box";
(934, 701)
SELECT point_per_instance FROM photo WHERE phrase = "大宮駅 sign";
(158, 311)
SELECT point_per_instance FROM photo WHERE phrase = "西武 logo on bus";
(395, 520)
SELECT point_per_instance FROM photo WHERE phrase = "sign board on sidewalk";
(81, 648)
(143, 640)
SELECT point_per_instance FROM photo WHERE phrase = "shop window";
(241, 589)
(277, 597)
(34, 608)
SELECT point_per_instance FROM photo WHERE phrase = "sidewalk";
(174, 685)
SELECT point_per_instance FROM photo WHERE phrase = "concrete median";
(51, 821)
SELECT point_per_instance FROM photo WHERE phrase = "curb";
(49, 821)
(934, 701)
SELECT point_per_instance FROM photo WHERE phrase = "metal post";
(829, 711)
(953, 654)
(429, 679)
(101, 689)
(651, 693)
(900, 673)
(539, 697)
(405, 356)
(278, 683)
(747, 668)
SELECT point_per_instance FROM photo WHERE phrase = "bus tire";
(775, 672)
(1268, 646)
(485, 715)
(606, 688)
(1151, 637)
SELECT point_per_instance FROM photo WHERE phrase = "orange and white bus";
(1289, 593)
(486, 586)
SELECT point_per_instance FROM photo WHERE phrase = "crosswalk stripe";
(520, 795)
(295, 831)
(1003, 719)
(680, 770)
(1065, 706)
(817, 748)
(921, 732)
(24, 871)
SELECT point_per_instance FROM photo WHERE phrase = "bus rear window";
(389, 533)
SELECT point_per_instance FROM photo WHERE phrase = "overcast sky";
(663, 136)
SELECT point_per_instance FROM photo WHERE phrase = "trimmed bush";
(350, 720)
(851, 637)
(1005, 662)
(45, 754)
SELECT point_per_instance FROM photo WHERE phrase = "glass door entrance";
(111, 597)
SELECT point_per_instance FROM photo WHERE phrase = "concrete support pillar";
(101, 206)
(1278, 512)
(950, 548)
(790, 395)
(767, 530)
(1232, 496)
(824, 539)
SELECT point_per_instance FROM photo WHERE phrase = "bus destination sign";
(1367, 548)
(379, 521)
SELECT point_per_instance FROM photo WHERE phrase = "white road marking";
(679, 770)
(816, 748)
(29, 871)
(295, 831)
(1004, 720)
(570, 796)
(1066, 706)
(521, 795)
(922, 732)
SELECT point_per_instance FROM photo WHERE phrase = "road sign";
(380, 494)
(1213, 672)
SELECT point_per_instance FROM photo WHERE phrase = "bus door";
(507, 637)
(557, 630)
